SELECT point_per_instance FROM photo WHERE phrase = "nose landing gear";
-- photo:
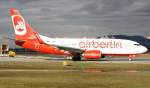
(131, 57)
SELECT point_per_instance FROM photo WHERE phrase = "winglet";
(14, 11)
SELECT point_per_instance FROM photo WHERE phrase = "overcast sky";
(80, 18)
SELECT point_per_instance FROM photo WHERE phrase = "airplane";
(76, 48)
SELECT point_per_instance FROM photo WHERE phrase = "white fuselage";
(106, 46)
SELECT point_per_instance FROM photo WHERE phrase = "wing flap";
(13, 39)
(70, 49)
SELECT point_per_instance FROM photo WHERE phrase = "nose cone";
(143, 49)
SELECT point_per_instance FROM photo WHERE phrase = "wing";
(13, 39)
(70, 49)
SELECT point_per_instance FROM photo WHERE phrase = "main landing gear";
(76, 57)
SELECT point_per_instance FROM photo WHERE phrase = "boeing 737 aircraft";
(77, 48)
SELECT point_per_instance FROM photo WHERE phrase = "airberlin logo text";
(19, 25)
(95, 44)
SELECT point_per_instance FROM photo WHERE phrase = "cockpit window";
(137, 44)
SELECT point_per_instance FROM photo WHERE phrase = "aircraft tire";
(76, 57)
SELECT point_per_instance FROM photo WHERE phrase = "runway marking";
(29, 70)
(71, 70)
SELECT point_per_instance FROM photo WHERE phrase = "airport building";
(4, 47)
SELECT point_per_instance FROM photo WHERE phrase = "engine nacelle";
(92, 54)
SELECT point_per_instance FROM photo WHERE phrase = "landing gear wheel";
(76, 57)
(103, 56)
(130, 59)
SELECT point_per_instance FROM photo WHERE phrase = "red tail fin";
(22, 29)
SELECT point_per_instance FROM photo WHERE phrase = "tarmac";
(54, 59)
(43, 59)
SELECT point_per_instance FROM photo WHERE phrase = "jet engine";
(92, 54)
